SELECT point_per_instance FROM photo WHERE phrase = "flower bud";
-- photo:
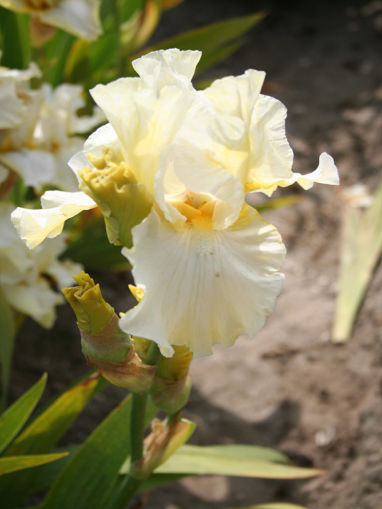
(124, 202)
(105, 346)
(171, 387)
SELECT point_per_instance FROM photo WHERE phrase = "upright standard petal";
(148, 113)
(167, 67)
(203, 287)
(248, 138)
(34, 226)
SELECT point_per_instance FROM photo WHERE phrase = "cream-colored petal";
(34, 226)
(63, 272)
(325, 173)
(64, 178)
(248, 138)
(146, 122)
(20, 75)
(236, 95)
(78, 17)
(203, 288)
(37, 301)
(188, 169)
(167, 67)
(12, 108)
(270, 153)
(36, 167)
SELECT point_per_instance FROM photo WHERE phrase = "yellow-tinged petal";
(167, 67)
(325, 173)
(248, 138)
(34, 226)
(203, 288)
(147, 113)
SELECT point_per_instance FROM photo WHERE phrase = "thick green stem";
(137, 426)
(130, 485)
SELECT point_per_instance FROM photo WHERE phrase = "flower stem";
(130, 484)
(137, 426)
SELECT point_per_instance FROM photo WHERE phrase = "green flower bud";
(123, 201)
(105, 346)
(93, 313)
(171, 387)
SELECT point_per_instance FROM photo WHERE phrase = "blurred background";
(291, 388)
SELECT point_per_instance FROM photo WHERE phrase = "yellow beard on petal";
(197, 208)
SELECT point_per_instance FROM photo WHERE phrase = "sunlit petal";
(203, 288)
(34, 226)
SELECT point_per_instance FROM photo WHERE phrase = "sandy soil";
(290, 388)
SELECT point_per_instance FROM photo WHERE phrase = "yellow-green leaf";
(13, 463)
(13, 419)
(40, 437)
(44, 432)
(362, 247)
(214, 460)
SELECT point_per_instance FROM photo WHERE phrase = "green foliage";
(13, 419)
(14, 463)
(33, 445)
(7, 331)
(15, 44)
(362, 247)
(91, 247)
(217, 41)
(243, 461)
(94, 466)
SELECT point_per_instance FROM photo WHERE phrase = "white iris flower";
(39, 144)
(26, 276)
(78, 17)
(208, 262)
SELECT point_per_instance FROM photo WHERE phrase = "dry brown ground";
(290, 388)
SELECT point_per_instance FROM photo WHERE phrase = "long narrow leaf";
(13, 419)
(45, 431)
(362, 247)
(7, 331)
(13, 463)
(40, 437)
(157, 480)
(94, 466)
(197, 460)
